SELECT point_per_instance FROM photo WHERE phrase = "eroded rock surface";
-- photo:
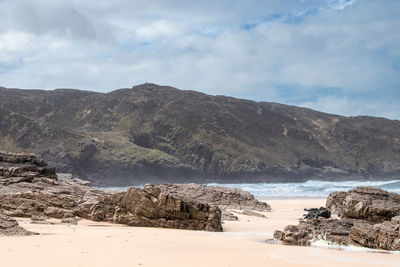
(150, 207)
(369, 217)
(35, 191)
(385, 235)
(365, 203)
(9, 227)
(222, 197)
(333, 230)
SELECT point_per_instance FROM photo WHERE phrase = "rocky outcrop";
(369, 217)
(385, 235)
(365, 203)
(16, 168)
(9, 227)
(150, 207)
(334, 201)
(36, 192)
(332, 230)
(19, 158)
(222, 197)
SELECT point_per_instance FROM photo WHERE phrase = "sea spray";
(309, 188)
(316, 189)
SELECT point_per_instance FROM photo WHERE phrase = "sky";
(336, 56)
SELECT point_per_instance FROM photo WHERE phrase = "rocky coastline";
(364, 216)
(30, 188)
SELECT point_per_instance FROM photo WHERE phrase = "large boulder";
(369, 217)
(384, 235)
(9, 226)
(150, 207)
(332, 230)
(365, 203)
(222, 197)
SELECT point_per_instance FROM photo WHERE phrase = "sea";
(309, 189)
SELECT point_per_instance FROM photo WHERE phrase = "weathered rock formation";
(385, 235)
(333, 230)
(9, 226)
(365, 203)
(150, 207)
(28, 188)
(222, 197)
(368, 217)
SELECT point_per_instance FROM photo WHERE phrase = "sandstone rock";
(334, 202)
(365, 203)
(222, 197)
(384, 235)
(293, 235)
(28, 189)
(9, 226)
(150, 207)
(21, 158)
(369, 218)
(332, 230)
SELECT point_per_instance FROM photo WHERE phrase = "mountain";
(152, 133)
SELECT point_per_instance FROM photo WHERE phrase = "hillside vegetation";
(152, 133)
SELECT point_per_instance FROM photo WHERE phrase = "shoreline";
(242, 243)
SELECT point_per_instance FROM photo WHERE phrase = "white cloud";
(347, 45)
(157, 30)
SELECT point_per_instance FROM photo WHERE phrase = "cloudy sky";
(337, 56)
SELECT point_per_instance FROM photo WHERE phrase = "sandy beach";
(241, 244)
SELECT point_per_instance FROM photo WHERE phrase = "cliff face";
(151, 133)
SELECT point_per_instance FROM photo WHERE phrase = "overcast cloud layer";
(337, 56)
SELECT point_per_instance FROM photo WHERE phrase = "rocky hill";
(152, 133)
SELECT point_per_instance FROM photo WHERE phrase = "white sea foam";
(320, 243)
(309, 188)
(306, 189)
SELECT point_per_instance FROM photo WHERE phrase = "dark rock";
(315, 213)
(9, 226)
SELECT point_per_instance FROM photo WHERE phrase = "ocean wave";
(309, 188)
(306, 189)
